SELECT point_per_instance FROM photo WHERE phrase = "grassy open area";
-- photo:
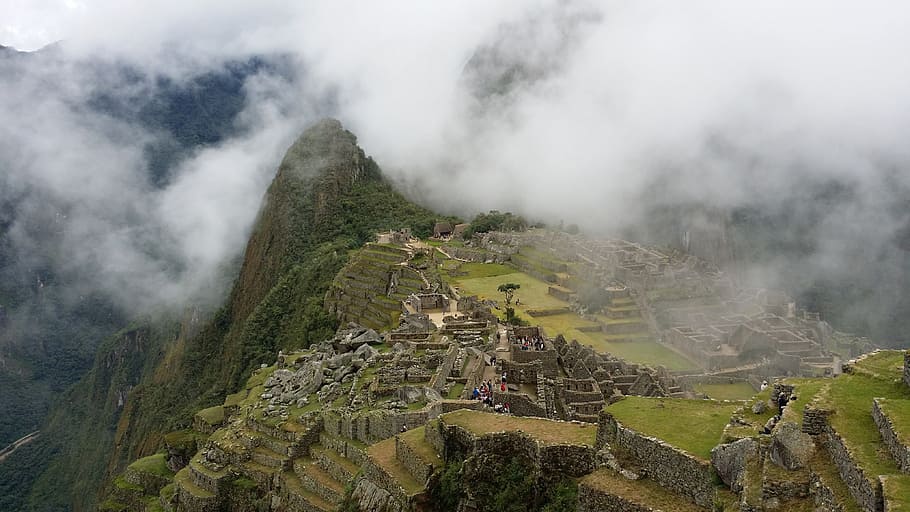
(545, 431)
(691, 425)
(642, 492)
(734, 391)
(476, 270)
(534, 295)
(887, 363)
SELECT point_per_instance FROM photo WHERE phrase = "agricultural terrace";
(695, 426)
(850, 397)
(483, 279)
(545, 431)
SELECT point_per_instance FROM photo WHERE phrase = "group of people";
(484, 393)
(536, 342)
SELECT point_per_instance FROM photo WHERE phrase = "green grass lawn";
(534, 295)
(734, 391)
(478, 270)
(887, 363)
(533, 292)
(546, 431)
(691, 425)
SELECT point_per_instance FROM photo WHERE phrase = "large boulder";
(790, 447)
(730, 461)
(366, 352)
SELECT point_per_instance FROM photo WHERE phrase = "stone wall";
(823, 496)
(547, 358)
(670, 467)
(552, 460)
(907, 368)
(520, 404)
(866, 491)
(899, 451)
(520, 373)
(815, 419)
(445, 369)
(382, 479)
(416, 466)
(591, 499)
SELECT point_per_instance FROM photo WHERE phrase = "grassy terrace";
(415, 439)
(734, 391)
(643, 492)
(483, 279)
(850, 397)
(898, 411)
(545, 431)
(383, 453)
(154, 465)
(805, 390)
(691, 425)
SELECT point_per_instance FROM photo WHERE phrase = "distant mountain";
(52, 317)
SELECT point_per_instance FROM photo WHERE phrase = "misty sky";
(722, 103)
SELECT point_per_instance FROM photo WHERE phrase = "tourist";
(502, 387)
(476, 393)
(503, 377)
(782, 400)
(764, 385)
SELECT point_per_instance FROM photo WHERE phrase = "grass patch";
(733, 391)
(896, 489)
(887, 363)
(691, 425)
(475, 270)
(545, 431)
(455, 391)
(212, 415)
(415, 439)
(153, 464)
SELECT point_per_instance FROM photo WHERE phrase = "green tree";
(509, 290)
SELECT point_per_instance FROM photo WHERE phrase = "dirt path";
(502, 352)
(22, 441)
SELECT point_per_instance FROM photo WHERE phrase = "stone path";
(22, 441)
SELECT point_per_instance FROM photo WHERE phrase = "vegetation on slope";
(326, 199)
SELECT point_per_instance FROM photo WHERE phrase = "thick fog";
(593, 113)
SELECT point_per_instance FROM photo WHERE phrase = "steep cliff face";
(326, 198)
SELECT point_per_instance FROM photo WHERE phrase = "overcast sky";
(726, 103)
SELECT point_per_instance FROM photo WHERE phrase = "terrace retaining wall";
(591, 499)
(899, 451)
(867, 492)
(670, 467)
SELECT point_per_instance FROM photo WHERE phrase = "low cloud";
(595, 113)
